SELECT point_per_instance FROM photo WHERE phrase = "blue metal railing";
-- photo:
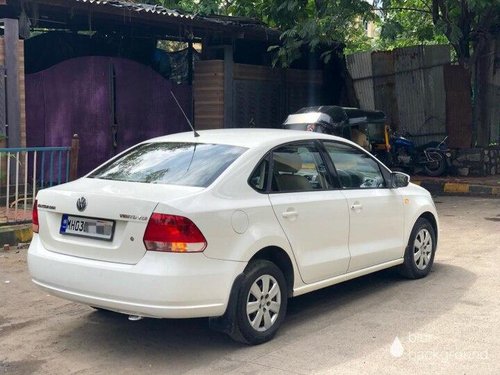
(24, 171)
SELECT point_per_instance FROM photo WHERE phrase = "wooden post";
(190, 62)
(190, 79)
(12, 82)
(228, 86)
(73, 166)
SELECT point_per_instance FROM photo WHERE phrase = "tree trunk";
(482, 68)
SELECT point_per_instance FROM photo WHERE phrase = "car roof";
(245, 137)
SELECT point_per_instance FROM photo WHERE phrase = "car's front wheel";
(262, 301)
(419, 254)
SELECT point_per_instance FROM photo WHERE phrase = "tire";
(422, 238)
(437, 167)
(251, 328)
(100, 310)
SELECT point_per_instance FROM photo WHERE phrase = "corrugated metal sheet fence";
(384, 84)
(408, 85)
(360, 68)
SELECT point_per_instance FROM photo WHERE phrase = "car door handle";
(356, 207)
(290, 214)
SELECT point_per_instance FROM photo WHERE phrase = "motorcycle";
(433, 157)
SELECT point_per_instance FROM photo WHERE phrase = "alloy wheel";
(263, 303)
(422, 249)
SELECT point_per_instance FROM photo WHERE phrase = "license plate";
(87, 227)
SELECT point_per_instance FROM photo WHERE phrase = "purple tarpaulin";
(75, 96)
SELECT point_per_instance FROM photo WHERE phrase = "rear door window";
(299, 167)
(188, 164)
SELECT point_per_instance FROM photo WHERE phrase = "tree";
(468, 25)
(305, 23)
(464, 23)
(321, 23)
(408, 26)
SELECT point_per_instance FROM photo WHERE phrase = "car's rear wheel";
(261, 304)
(419, 254)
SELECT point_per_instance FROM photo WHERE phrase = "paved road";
(448, 323)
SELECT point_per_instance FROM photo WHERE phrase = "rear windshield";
(188, 164)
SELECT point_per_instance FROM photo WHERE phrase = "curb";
(459, 188)
(13, 235)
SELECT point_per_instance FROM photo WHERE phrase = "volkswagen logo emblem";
(81, 204)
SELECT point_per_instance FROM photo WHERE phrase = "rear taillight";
(34, 218)
(173, 233)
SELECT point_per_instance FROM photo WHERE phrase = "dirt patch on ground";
(20, 367)
(7, 327)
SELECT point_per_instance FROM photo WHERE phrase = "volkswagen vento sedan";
(228, 225)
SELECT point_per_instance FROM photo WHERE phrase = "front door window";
(356, 169)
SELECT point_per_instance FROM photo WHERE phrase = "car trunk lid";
(111, 225)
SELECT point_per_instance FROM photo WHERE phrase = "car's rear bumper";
(161, 285)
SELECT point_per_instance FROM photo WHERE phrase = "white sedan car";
(228, 225)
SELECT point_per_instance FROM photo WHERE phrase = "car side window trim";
(332, 171)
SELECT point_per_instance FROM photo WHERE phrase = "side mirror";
(399, 180)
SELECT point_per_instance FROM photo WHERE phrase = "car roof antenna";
(187, 119)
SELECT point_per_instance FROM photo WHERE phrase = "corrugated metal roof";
(138, 7)
(130, 12)
(162, 11)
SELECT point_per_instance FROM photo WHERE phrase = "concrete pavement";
(447, 323)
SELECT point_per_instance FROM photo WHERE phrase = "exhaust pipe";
(134, 318)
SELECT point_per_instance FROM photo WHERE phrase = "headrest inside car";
(290, 163)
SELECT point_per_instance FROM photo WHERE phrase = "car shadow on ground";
(374, 305)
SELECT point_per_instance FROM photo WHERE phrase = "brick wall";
(476, 161)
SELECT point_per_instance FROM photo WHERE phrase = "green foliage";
(313, 23)
(309, 23)
(462, 23)
(406, 24)
(319, 23)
